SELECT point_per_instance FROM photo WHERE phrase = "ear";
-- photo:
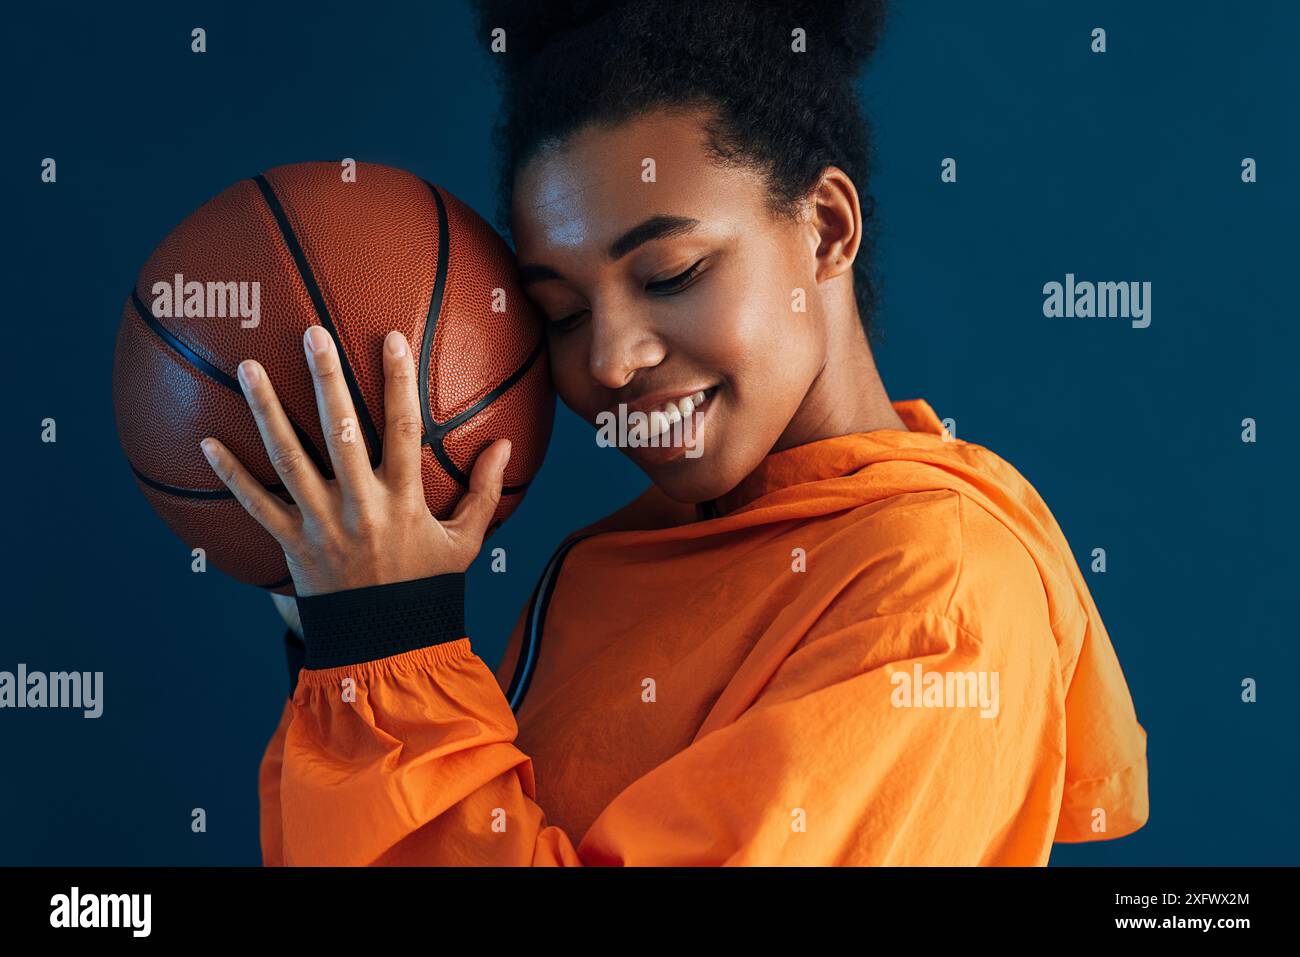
(836, 222)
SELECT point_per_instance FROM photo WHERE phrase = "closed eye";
(568, 322)
(664, 287)
(676, 283)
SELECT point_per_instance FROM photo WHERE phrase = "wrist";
(377, 621)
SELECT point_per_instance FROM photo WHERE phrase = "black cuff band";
(364, 624)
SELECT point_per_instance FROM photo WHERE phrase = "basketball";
(359, 249)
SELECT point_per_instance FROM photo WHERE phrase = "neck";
(846, 396)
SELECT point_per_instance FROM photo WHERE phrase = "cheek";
(754, 334)
(570, 375)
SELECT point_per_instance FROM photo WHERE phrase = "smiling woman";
(659, 289)
(710, 675)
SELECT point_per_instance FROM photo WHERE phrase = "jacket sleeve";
(400, 751)
(268, 772)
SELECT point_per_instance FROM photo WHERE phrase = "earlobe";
(834, 265)
(838, 266)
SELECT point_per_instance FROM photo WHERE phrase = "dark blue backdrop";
(1118, 166)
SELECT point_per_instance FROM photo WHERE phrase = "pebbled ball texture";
(388, 251)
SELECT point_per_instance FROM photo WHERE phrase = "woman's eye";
(568, 322)
(663, 287)
(676, 282)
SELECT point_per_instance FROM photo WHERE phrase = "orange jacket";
(739, 690)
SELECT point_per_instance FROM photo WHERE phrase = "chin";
(691, 480)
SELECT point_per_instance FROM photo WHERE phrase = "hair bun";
(531, 24)
(847, 30)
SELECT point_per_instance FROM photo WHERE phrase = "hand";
(367, 526)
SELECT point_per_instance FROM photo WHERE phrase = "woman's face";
(655, 290)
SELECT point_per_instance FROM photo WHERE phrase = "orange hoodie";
(879, 650)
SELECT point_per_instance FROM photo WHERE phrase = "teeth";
(670, 413)
(688, 404)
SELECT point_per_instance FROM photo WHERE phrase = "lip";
(649, 455)
(654, 400)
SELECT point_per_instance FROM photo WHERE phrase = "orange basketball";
(246, 274)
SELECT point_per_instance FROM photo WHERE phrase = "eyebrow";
(659, 226)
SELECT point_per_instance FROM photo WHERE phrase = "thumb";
(474, 511)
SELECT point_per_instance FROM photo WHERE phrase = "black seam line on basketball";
(459, 476)
(450, 467)
(212, 372)
(322, 313)
(435, 310)
(456, 421)
(433, 428)
(529, 651)
(434, 438)
(181, 492)
(426, 342)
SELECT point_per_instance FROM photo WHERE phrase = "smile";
(664, 416)
(656, 433)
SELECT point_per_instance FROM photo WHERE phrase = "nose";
(622, 341)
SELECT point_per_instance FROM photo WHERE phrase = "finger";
(475, 510)
(338, 416)
(403, 423)
(298, 473)
(267, 510)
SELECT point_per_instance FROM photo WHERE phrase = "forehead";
(584, 192)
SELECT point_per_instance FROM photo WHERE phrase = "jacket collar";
(826, 458)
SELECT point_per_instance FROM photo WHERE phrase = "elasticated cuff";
(365, 624)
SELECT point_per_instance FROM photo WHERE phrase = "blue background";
(1114, 167)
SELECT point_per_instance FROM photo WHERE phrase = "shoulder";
(999, 587)
(941, 553)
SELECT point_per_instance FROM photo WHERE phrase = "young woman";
(834, 636)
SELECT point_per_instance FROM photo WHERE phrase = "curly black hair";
(568, 63)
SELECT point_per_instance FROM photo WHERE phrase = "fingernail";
(317, 339)
(396, 344)
(209, 450)
(249, 373)
(505, 457)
